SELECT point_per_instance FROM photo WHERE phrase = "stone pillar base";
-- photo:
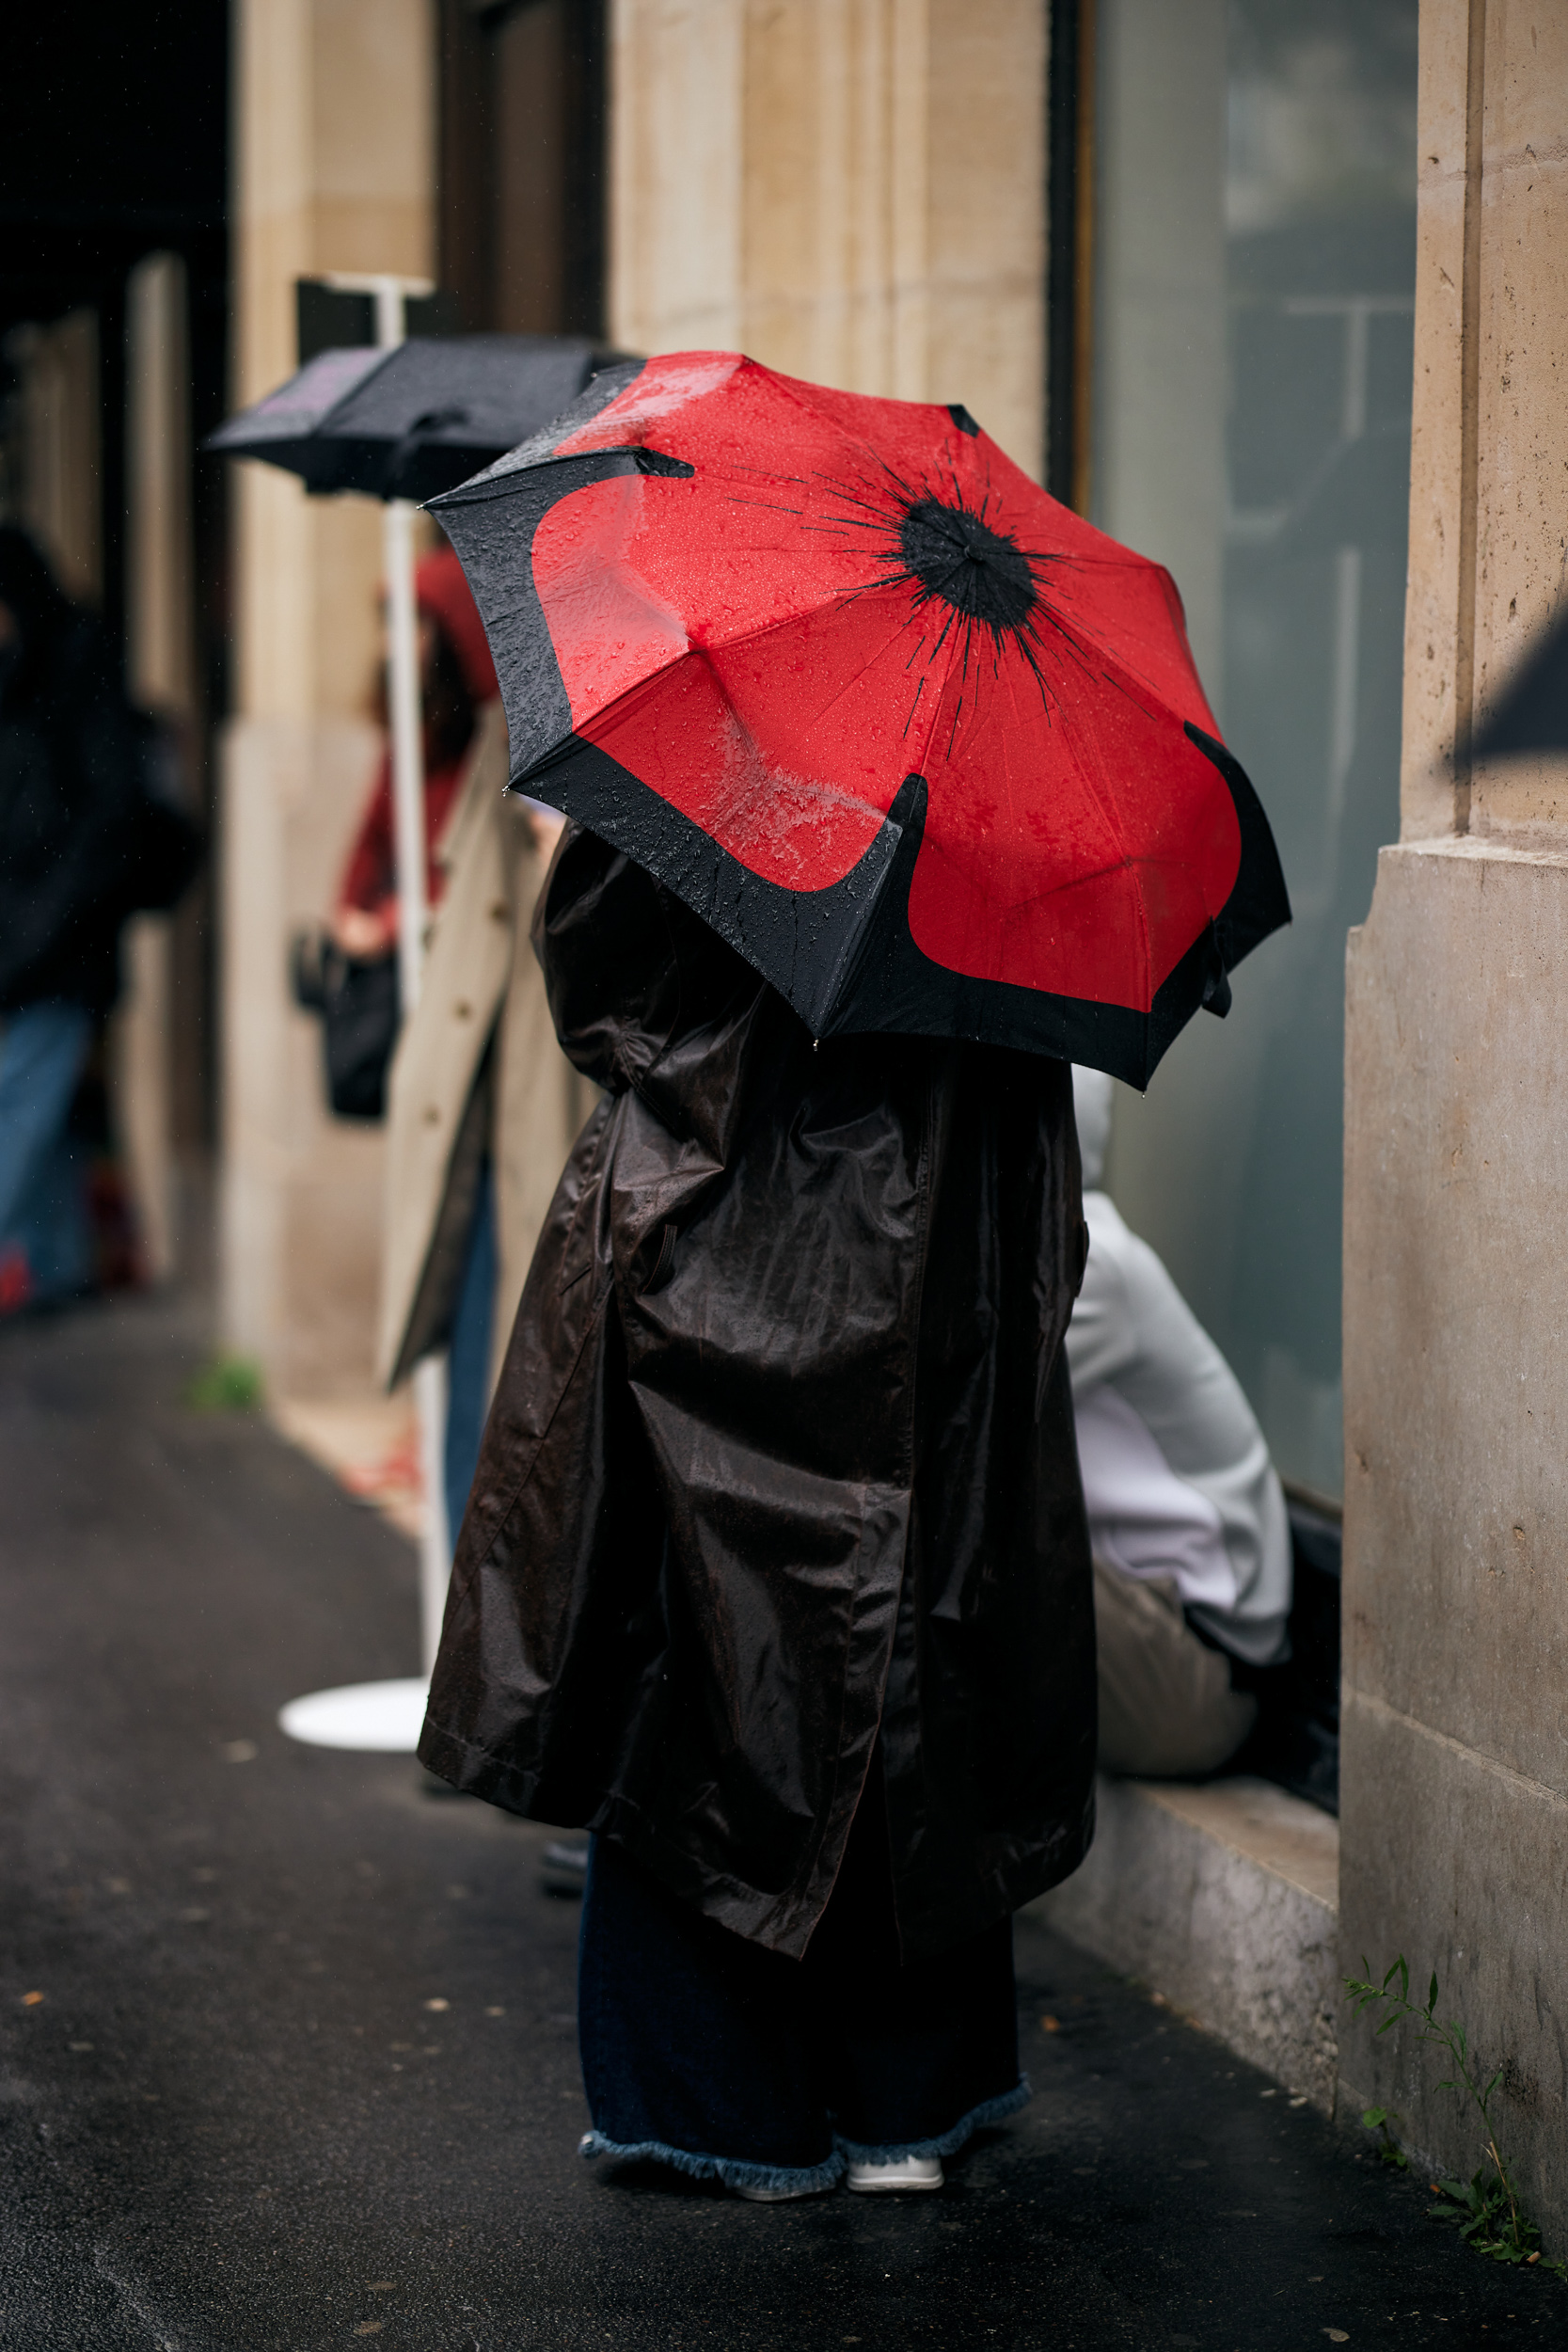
(1455, 1756)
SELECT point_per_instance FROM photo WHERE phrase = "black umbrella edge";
(843, 957)
(429, 461)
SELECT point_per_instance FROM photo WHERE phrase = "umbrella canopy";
(925, 747)
(412, 420)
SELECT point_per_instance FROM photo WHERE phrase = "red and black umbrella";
(925, 748)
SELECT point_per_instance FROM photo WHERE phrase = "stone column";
(849, 190)
(62, 494)
(1455, 1763)
(334, 139)
(160, 675)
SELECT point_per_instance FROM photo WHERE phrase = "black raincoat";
(782, 1460)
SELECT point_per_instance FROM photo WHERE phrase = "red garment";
(370, 877)
(441, 589)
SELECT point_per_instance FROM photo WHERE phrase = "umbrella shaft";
(407, 747)
(409, 813)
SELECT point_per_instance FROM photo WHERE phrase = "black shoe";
(1295, 1742)
(563, 1870)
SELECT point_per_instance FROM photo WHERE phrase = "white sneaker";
(904, 2172)
(774, 2196)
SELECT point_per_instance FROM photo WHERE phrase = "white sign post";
(388, 1715)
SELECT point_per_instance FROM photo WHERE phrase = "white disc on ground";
(380, 1717)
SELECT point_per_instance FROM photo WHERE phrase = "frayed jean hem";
(988, 2111)
(801, 2180)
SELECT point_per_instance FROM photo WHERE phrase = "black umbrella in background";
(1532, 715)
(399, 422)
(415, 419)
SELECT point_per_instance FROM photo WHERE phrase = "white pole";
(430, 1373)
(388, 1715)
(403, 626)
(403, 629)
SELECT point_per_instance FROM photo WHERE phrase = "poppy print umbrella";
(925, 747)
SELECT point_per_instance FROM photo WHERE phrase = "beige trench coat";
(477, 1070)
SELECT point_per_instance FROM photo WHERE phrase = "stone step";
(1224, 1898)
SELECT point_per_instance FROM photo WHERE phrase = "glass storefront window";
(1255, 262)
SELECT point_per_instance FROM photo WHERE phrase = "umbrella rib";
(851, 522)
(752, 636)
(767, 473)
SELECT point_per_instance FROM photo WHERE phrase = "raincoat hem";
(923, 1934)
(477, 1774)
(1022, 1884)
(717, 1895)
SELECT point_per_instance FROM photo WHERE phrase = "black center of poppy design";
(981, 573)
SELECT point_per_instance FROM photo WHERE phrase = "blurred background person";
(483, 1105)
(91, 832)
(350, 978)
(458, 679)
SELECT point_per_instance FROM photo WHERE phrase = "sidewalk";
(303, 2071)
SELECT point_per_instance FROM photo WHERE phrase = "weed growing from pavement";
(1379, 2120)
(1486, 2206)
(229, 1384)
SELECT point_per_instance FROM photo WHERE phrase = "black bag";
(360, 1011)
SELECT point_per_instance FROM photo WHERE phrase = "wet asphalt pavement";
(303, 2070)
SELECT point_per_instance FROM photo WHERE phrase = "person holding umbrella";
(892, 787)
(457, 681)
(483, 1107)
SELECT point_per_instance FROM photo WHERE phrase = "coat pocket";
(664, 1262)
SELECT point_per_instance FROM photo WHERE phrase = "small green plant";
(229, 1384)
(1378, 2119)
(1486, 2206)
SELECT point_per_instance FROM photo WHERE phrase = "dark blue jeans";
(45, 1232)
(706, 2052)
(469, 1355)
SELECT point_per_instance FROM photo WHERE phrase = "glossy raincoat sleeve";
(560, 1549)
(641, 992)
